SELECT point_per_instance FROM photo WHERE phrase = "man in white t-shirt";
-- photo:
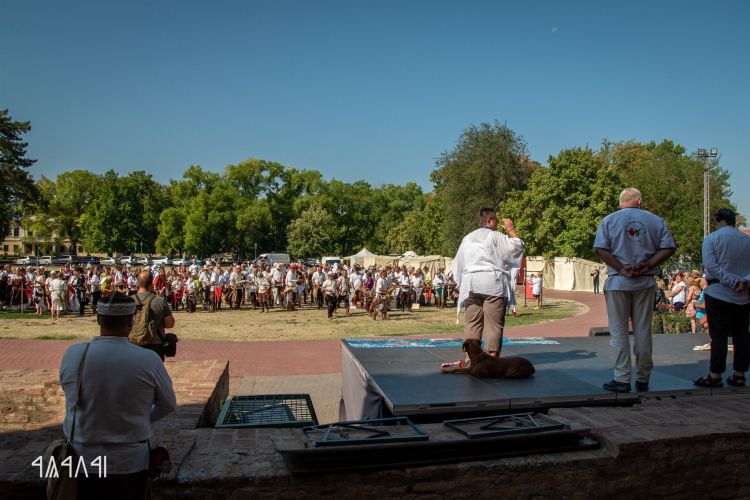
(633, 243)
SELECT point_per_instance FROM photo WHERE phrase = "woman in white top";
(536, 289)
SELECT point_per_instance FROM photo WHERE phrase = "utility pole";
(707, 189)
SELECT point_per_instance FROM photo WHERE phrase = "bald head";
(630, 197)
(145, 280)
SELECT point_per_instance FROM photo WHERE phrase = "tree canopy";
(556, 209)
(487, 163)
(16, 186)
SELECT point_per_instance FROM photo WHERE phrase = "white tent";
(359, 257)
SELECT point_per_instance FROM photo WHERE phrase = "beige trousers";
(485, 315)
(624, 306)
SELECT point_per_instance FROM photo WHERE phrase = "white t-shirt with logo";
(632, 236)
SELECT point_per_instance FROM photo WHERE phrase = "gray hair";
(630, 195)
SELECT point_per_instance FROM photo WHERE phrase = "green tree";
(308, 235)
(125, 213)
(671, 181)
(16, 186)
(171, 238)
(559, 214)
(487, 163)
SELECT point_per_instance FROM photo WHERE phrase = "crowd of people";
(262, 286)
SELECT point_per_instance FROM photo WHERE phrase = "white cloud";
(554, 29)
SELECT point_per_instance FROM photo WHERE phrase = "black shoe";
(641, 386)
(616, 386)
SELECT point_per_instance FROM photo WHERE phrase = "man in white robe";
(483, 268)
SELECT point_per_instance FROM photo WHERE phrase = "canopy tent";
(431, 262)
(380, 261)
(359, 257)
(567, 273)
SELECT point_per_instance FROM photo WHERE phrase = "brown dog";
(486, 366)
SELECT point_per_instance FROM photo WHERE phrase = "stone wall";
(32, 404)
(30, 399)
(683, 448)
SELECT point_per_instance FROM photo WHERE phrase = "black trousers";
(332, 299)
(728, 320)
(81, 300)
(319, 299)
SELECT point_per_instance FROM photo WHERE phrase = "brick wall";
(32, 404)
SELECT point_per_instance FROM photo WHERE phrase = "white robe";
(486, 263)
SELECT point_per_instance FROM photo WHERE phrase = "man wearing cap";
(633, 243)
(117, 428)
(725, 257)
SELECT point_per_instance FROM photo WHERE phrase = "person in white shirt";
(438, 281)
(381, 297)
(132, 284)
(678, 293)
(329, 290)
(214, 284)
(318, 278)
(536, 289)
(276, 283)
(405, 290)
(342, 284)
(120, 427)
(633, 243)
(417, 282)
(95, 287)
(205, 279)
(57, 291)
(483, 267)
(291, 285)
(725, 257)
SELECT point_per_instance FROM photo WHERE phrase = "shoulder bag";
(66, 485)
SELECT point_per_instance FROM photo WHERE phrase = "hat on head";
(118, 305)
(292, 265)
(727, 215)
(52, 272)
(696, 273)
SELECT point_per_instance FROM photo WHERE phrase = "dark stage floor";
(570, 373)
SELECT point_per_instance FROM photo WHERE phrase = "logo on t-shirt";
(635, 231)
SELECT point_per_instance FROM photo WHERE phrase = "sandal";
(736, 380)
(708, 381)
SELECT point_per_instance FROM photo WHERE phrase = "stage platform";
(383, 379)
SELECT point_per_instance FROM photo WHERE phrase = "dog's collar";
(480, 356)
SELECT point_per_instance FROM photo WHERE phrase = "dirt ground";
(307, 323)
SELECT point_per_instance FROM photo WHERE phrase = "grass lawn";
(307, 323)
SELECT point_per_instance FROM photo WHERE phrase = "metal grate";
(517, 423)
(268, 410)
(376, 431)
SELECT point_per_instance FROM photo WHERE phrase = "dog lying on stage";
(485, 366)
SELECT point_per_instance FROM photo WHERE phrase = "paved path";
(310, 357)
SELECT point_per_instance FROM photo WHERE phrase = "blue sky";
(368, 90)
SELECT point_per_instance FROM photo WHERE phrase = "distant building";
(19, 241)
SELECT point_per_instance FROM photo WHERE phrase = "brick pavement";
(312, 357)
